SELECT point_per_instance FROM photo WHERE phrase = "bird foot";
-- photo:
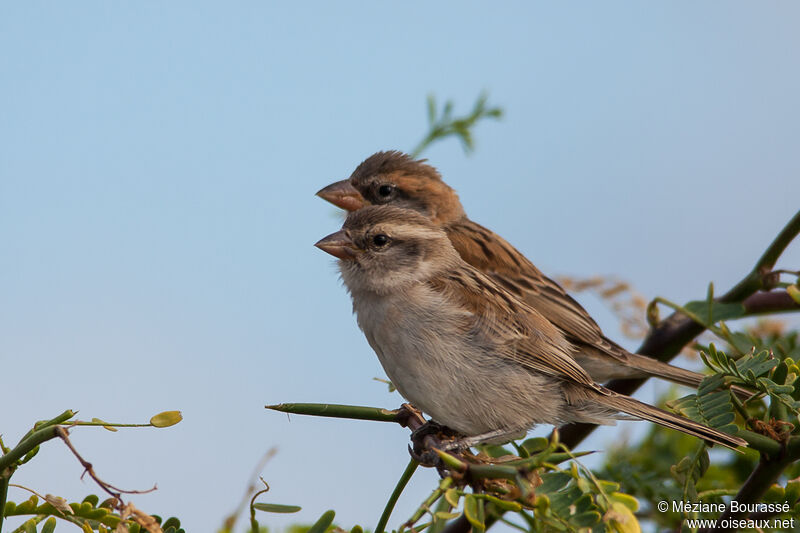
(429, 437)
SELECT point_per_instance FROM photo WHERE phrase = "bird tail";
(664, 418)
(681, 376)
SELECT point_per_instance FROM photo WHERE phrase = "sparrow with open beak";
(394, 178)
(461, 347)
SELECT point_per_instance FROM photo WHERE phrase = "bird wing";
(493, 255)
(515, 330)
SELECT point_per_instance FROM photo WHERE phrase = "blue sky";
(157, 212)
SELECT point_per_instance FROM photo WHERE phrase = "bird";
(461, 347)
(395, 178)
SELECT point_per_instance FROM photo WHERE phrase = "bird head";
(396, 179)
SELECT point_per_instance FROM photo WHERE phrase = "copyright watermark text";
(684, 507)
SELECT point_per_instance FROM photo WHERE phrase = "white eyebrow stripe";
(410, 230)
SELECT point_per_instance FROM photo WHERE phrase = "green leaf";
(504, 505)
(452, 496)
(774, 388)
(554, 481)
(624, 520)
(171, 522)
(536, 445)
(431, 101)
(323, 523)
(719, 311)
(794, 293)
(493, 450)
(49, 525)
(583, 504)
(166, 419)
(30, 455)
(792, 490)
(586, 519)
(92, 500)
(711, 384)
(28, 505)
(448, 109)
(780, 374)
(30, 525)
(276, 508)
(626, 499)
(473, 512)
(775, 493)
(104, 424)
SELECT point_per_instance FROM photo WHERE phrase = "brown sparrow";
(461, 347)
(394, 178)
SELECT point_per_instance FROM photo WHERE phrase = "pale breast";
(453, 377)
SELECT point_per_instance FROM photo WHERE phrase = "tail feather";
(681, 376)
(641, 410)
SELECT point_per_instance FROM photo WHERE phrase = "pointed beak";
(343, 195)
(338, 245)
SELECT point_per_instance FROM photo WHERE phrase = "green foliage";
(89, 514)
(322, 525)
(710, 406)
(530, 486)
(443, 124)
(689, 470)
(644, 469)
(276, 508)
(255, 527)
(710, 312)
(762, 372)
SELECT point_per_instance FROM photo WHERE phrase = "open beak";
(338, 245)
(343, 195)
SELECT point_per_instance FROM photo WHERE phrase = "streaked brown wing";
(519, 332)
(493, 255)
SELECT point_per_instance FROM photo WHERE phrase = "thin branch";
(337, 411)
(26, 445)
(88, 469)
(769, 302)
(3, 497)
(772, 253)
(398, 489)
(63, 417)
(253, 522)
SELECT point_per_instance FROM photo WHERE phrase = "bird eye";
(380, 239)
(385, 190)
